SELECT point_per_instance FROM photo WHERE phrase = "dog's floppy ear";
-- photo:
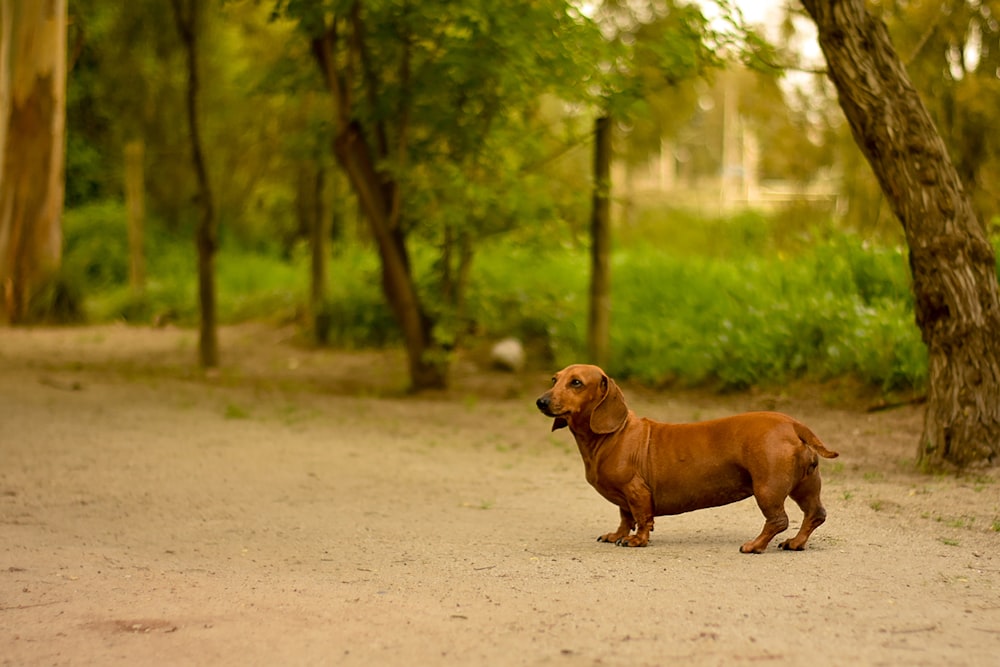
(558, 423)
(611, 411)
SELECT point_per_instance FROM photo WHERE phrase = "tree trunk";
(32, 128)
(378, 199)
(319, 236)
(428, 367)
(951, 259)
(136, 211)
(456, 269)
(208, 343)
(599, 325)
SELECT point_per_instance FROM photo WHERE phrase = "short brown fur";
(650, 468)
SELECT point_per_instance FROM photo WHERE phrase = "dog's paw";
(633, 541)
(612, 538)
(790, 545)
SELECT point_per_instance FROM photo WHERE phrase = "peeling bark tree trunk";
(32, 123)
(599, 325)
(186, 15)
(951, 259)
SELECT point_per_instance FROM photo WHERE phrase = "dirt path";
(294, 510)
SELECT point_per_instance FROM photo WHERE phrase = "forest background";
(713, 282)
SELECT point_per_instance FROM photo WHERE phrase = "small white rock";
(508, 354)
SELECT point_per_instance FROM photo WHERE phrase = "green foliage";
(757, 321)
(260, 286)
(260, 114)
(454, 103)
(535, 292)
(727, 319)
(730, 302)
(357, 311)
(96, 245)
(752, 307)
(251, 285)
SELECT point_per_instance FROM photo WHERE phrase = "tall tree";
(341, 53)
(951, 259)
(32, 122)
(186, 17)
(432, 104)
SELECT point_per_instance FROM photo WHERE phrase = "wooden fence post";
(135, 205)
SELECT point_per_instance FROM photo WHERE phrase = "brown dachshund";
(649, 468)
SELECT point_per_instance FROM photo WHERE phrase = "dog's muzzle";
(544, 404)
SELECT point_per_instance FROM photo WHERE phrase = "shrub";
(356, 313)
(837, 308)
(537, 294)
(95, 245)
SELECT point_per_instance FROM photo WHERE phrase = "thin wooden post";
(599, 325)
(135, 206)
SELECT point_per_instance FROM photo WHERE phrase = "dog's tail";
(812, 442)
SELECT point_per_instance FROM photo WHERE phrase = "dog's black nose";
(542, 402)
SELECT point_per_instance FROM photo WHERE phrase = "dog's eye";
(553, 381)
(575, 382)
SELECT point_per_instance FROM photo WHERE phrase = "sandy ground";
(295, 508)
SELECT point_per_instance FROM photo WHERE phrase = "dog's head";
(583, 397)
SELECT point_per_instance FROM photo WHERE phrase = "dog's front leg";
(624, 528)
(640, 504)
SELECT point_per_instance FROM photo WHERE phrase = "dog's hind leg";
(772, 505)
(806, 496)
